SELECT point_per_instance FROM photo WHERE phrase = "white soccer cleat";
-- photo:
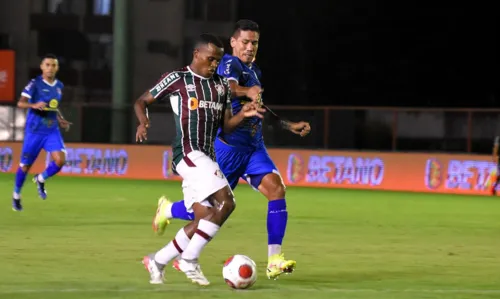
(193, 272)
(155, 272)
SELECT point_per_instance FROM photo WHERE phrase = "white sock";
(168, 212)
(173, 249)
(40, 178)
(273, 249)
(16, 195)
(205, 232)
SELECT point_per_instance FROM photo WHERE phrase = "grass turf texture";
(87, 241)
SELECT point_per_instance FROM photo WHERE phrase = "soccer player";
(41, 97)
(242, 154)
(201, 102)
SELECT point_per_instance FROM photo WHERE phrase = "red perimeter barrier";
(441, 173)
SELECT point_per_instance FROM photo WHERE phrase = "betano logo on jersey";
(194, 104)
(166, 82)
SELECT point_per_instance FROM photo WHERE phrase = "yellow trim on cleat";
(277, 265)
(160, 220)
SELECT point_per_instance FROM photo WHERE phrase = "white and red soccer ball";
(239, 272)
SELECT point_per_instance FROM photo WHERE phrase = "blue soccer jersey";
(242, 154)
(249, 133)
(43, 122)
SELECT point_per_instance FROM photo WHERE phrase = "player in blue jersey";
(242, 154)
(41, 97)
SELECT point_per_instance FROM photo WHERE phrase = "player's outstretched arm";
(24, 104)
(140, 108)
(301, 128)
(231, 121)
(253, 93)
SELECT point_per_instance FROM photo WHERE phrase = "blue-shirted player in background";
(41, 97)
(242, 154)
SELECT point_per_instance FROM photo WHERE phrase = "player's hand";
(142, 133)
(39, 105)
(301, 128)
(252, 109)
(65, 124)
(255, 93)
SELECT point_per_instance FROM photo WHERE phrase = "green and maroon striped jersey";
(199, 105)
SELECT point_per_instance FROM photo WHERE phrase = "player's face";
(49, 67)
(207, 59)
(245, 46)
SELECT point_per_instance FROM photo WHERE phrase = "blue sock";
(277, 217)
(20, 178)
(179, 211)
(51, 170)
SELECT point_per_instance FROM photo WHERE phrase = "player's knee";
(272, 187)
(60, 159)
(227, 205)
(280, 190)
(25, 168)
(60, 162)
(202, 211)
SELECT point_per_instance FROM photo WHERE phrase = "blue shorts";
(236, 163)
(34, 143)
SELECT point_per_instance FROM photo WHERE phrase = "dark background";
(378, 53)
(366, 60)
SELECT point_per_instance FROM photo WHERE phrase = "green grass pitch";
(87, 241)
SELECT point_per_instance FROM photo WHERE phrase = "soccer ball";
(239, 272)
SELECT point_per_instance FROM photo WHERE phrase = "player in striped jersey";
(201, 102)
(242, 153)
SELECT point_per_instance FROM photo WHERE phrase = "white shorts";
(201, 177)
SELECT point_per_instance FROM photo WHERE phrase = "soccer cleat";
(193, 272)
(156, 274)
(40, 187)
(160, 220)
(16, 205)
(277, 265)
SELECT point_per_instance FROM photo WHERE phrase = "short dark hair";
(49, 56)
(245, 25)
(208, 38)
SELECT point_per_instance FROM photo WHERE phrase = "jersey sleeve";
(29, 90)
(230, 69)
(228, 93)
(165, 86)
